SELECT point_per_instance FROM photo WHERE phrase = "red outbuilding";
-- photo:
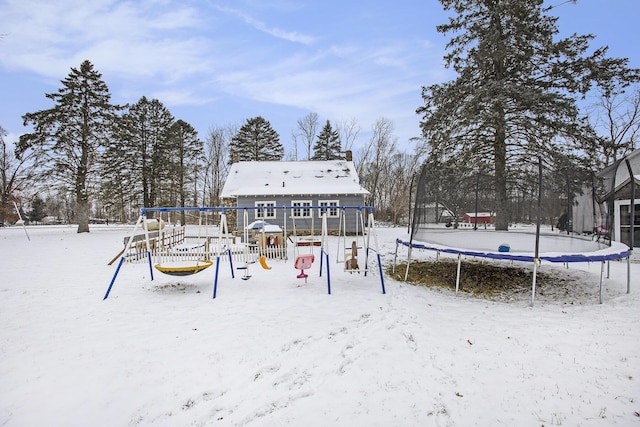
(483, 218)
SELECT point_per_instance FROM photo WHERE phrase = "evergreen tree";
(68, 137)
(187, 154)
(117, 183)
(147, 150)
(515, 95)
(37, 211)
(256, 140)
(327, 146)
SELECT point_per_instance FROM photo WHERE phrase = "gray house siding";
(303, 224)
(302, 187)
(613, 188)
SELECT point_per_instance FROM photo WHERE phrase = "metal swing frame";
(225, 250)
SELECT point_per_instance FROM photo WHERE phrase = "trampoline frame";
(614, 252)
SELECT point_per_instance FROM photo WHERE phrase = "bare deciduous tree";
(349, 130)
(216, 148)
(616, 117)
(374, 157)
(308, 128)
(14, 175)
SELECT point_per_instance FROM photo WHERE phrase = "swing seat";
(309, 243)
(351, 265)
(302, 263)
(263, 262)
(351, 256)
(184, 270)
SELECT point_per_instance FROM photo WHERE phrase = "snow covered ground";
(273, 351)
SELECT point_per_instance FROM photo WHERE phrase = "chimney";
(348, 155)
(235, 157)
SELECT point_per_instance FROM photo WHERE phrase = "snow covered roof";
(274, 178)
(264, 226)
(616, 175)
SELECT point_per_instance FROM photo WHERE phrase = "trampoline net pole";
(629, 274)
(458, 273)
(406, 273)
(533, 282)
(601, 278)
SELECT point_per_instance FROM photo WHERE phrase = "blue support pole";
(366, 261)
(113, 279)
(231, 263)
(150, 266)
(215, 281)
(381, 275)
(328, 275)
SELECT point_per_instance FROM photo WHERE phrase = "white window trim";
(265, 213)
(333, 207)
(301, 209)
(617, 226)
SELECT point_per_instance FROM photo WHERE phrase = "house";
(608, 213)
(435, 213)
(479, 218)
(303, 186)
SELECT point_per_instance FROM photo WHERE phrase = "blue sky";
(220, 62)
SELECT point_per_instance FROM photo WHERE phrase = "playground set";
(171, 251)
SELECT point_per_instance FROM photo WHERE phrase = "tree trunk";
(82, 216)
(500, 155)
(82, 196)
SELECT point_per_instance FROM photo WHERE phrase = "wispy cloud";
(181, 97)
(203, 56)
(292, 36)
(47, 37)
(338, 83)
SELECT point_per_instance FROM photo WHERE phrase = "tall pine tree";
(68, 137)
(256, 140)
(117, 183)
(327, 146)
(187, 155)
(147, 127)
(38, 209)
(515, 95)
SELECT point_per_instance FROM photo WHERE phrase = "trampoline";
(553, 247)
(515, 246)
(461, 218)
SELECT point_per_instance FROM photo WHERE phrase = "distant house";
(434, 213)
(482, 218)
(296, 184)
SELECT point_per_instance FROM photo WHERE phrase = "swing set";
(174, 256)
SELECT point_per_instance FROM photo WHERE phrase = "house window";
(332, 212)
(301, 209)
(622, 222)
(265, 210)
